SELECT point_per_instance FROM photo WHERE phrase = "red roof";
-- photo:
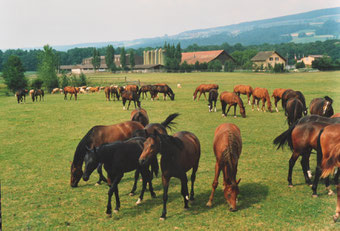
(200, 56)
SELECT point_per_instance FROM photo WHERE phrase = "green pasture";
(38, 141)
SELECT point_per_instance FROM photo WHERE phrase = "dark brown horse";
(180, 153)
(114, 92)
(21, 94)
(231, 99)
(321, 106)
(294, 110)
(95, 137)
(202, 89)
(277, 95)
(227, 148)
(132, 87)
(213, 96)
(131, 96)
(288, 94)
(162, 88)
(244, 90)
(261, 94)
(140, 115)
(36, 93)
(329, 151)
(72, 91)
(144, 89)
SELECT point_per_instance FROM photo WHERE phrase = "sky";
(34, 23)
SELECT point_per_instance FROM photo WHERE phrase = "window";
(276, 58)
(271, 59)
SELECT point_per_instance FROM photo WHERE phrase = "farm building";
(206, 56)
(268, 58)
(153, 57)
(309, 59)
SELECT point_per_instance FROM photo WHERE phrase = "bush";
(215, 65)
(64, 81)
(229, 66)
(279, 68)
(82, 79)
(300, 65)
(13, 74)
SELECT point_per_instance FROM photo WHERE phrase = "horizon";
(55, 32)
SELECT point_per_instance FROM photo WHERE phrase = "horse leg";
(71, 96)
(292, 161)
(253, 103)
(205, 96)
(146, 176)
(124, 101)
(129, 104)
(276, 100)
(199, 96)
(304, 165)
(336, 176)
(214, 184)
(184, 190)
(165, 181)
(164, 96)
(330, 191)
(248, 96)
(223, 108)
(228, 110)
(337, 211)
(318, 171)
(100, 172)
(215, 105)
(235, 111)
(258, 105)
(134, 187)
(65, 95)
(193, 178)
(263, 105)
(114, 188)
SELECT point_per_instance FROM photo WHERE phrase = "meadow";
(38, 141)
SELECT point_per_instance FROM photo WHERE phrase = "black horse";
(131, 96)
(288, 94)
(21, 94)
(162, 88)
(118, 158)
(294, 110)
(321, 106)
(213, 96)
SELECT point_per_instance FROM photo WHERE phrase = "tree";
(229, 66)
(132, 59)
(278, 68)
(64, 81)
(123, 58)
(324, 63)
(82, 79)
(300, 65)
(47, 68)
(13, 74)
(215, 65)
(109, 58)
(37, 83)
(95, 59)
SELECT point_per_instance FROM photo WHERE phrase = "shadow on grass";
(252, 193)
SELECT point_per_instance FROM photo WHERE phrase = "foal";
(213, 96)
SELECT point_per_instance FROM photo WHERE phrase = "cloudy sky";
(33, 23)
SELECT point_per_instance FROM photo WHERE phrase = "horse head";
(91, 162)
(230, 193)
(76, 174)
(152, 146)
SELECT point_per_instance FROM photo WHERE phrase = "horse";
(37, 93)
(72, 91)
(95, 137)
(277, 95)
(132, 87)
(130, 95)
(227, 148)
(244, 90)
(213, 96)
(162, 88)
(294, 110)
(143, 90)
(329, 152)
(261, 93)
(107, 92)
(21, 94)
(94, 89)
(293, 94)
(118, 158)
(321, 106)
(232, 99)
(140, 115)
(335, 115)
(114, 92)
(180, 153)
(203, 88)
(55, 90)
(302, 138)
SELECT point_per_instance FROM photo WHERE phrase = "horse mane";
(269, 104)
(229, 155)
(240, 102)
(81, 148)
(170, 90)
(168, 121)
(197, 89)
(302, 98)
(170, 140)
(328, 99)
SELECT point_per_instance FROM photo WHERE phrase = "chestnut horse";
(277, 95)
(95, 137)
(107, 91)
(261, 94)
(227, 148)
(335, 115)
(293, 94)
(213, 96)
(232, 99)
(294, 110)
(21, 94)
(329, 146)
(70, 90)
(132, 87)
(321, 106)
(140, 115)
(180, 153)
(131, 96)
(244, 90)
(203, 88)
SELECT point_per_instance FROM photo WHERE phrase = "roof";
(201, 56)
(264, 55)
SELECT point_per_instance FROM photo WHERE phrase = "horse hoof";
(330, 192)
(314, 195)
(131, 194)
(209, 204)
(139, 201)
(153, 195)
(290, 186)
(109, 215)
(96, 184)
(162, 219)
(235, 117)
(115, 211)
(335, 217)
(223, 115)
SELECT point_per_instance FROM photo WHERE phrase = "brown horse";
(140, 115)
(261, 94)
(161, 88)
(277, 95)
(132, 87)
(203, 88)
(70, 90)
(244, 90)
(329, 146)
(36, 93)
(144, 89)
(107, 91)
(288, 94)
(180, 153)
(131, 96)
(94, 89)
(213, 96)
(294, 110)
(321, 106)
(21, 94)
(227, 149)
(335, 115)
(114, 92)
(232, 99)
(97, 136)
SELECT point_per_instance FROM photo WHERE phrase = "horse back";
(228, 97)
(330, 147)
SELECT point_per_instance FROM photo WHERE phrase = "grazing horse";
(114, 92)
(203, 88)
(232, 99)
(55, 90)
(288, 94)
(144, 89)
(72, 91)
(130, 95)
(329, 152)
(107, 91)
(294, 110)
(140, 115)
(95, 137)
(321, 106)
(94, 89)
(277, 95)
(244, 90)
(227, 149)
(132, 87)
(37, 93)
(213, 96)
(118, 158)
(261, 94)
(180, 153)
(162, 88)
(302, 138)
(21, 94)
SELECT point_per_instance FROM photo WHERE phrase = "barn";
(206, 57)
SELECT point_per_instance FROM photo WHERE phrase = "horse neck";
(269, 104)
(195, 93)
(230, 156)
(239, 102)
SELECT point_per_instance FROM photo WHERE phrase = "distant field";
(38, 141)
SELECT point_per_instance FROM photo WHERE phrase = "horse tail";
(168, 121)
(285, 137)
(154, 166)
(328, 99)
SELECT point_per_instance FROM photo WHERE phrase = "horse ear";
(237, 182)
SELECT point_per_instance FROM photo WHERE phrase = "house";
(268, 59)
(206, 57)
(309, 59)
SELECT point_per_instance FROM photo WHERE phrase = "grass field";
(38, 143)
